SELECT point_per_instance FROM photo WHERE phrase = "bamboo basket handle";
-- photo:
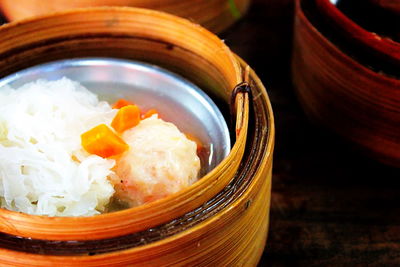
(240, 94)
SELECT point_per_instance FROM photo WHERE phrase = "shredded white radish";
(43, 168)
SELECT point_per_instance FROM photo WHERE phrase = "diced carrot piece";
(126, 118)
(122, 103)
(149, 113)
(102, 141)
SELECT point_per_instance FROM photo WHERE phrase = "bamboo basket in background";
(221, 220)
(215, 15)
(347, 79)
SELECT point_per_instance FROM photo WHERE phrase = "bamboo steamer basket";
(220, 220)
(355, 100)
(215, 15)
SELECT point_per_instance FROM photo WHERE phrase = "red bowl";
(368, 48)
(344, 95)
(347, 27)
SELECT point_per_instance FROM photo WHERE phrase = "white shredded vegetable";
(43, 168)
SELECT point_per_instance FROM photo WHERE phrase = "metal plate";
(177, 100)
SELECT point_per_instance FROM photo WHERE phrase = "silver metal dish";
(148, 86)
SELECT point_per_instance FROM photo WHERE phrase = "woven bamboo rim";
(129, 33)
(215, 15)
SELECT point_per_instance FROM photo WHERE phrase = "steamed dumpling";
(161, 161)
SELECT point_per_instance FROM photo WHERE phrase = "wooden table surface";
(330, 205)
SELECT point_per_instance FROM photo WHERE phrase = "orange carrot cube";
(126, 118)
(121, 103)
(102, 141)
